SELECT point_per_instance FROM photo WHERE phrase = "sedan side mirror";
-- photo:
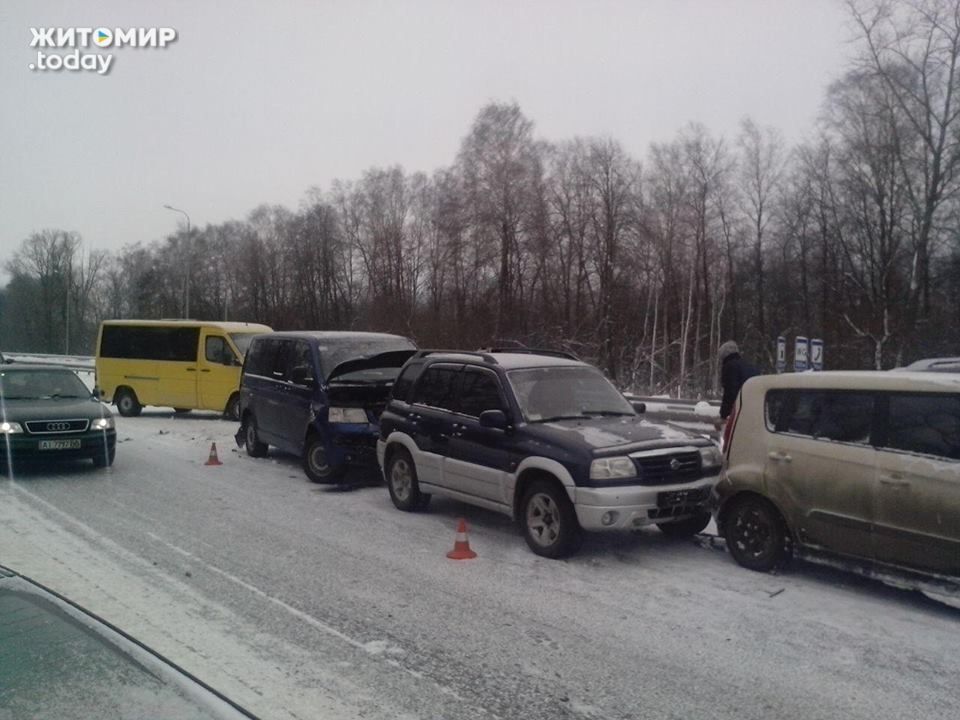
(640, 407)
(97, 393)
(495, 419)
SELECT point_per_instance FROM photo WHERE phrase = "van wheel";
(232, 410)
(549, 521)
(685, 528)
(401, 476)
(254, 447)
(756, 534)
(127, 403)
(315, 463)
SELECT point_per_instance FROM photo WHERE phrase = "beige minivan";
(860, 464)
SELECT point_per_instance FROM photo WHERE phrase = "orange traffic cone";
(213, 459)
(461, 548)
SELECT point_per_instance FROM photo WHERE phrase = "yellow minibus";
(183, 364)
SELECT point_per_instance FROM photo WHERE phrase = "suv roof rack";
(485, 356)
(533, 351)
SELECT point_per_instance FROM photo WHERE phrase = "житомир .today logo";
(75, 38)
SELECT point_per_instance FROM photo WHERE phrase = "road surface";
(303, 601)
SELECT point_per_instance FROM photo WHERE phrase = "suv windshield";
(36, 384)
(558, 393)
(338, 350)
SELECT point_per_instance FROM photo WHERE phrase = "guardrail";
(75, 362)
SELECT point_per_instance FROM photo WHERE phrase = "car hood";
(614, 435)
(392, 358)
(22, 410)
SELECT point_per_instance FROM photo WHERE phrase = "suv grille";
(669, 468)
(53, 427)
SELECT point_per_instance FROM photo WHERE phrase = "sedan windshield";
(561, 393)
(36, 384)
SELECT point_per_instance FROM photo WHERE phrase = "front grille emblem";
(58, 427)
(674, 464)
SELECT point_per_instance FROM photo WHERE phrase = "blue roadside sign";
(816, 354)
(801, 354)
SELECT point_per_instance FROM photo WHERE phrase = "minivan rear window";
(927, 424)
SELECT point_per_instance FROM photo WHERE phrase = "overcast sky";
(257, 101)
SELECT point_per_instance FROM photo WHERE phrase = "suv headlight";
(10, 428)
(711, 457)
(347, 415)
(612, 468)
(104, 423)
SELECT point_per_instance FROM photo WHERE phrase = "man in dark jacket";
(734, 372)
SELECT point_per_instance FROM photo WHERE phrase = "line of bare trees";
(644, 268)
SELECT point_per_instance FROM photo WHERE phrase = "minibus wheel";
(127, 403)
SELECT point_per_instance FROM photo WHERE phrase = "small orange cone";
(461, 548)
(213, 459)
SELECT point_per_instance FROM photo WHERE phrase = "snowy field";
(303, 601)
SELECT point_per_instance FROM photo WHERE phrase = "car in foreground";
(319, 395)
(861, 465)
(942, 364)
(545, 439)
(47, 413)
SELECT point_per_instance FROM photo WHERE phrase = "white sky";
(257, 101)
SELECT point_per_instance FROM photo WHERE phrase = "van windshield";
(243, 340)
(334, 351)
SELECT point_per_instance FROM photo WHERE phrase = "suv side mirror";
(302, 375)
(495, 419)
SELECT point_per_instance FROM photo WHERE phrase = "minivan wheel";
(232, 410)
(756, 534)
(254, 447)
(549, 521)
(127, 403)
(401, 477)
(685, 528)
(315, 463)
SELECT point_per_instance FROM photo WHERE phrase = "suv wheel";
(685, 528)
(315, 463)
(549, 521)
(254, 447)
(401, 477)
(127, 403)
(756, 534)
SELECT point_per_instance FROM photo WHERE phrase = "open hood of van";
(390, 359)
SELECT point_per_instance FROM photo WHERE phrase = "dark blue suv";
(318, 395)
(545, 439)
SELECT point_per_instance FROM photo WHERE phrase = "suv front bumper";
(631, 506)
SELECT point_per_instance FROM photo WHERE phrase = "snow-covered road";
(301, 601)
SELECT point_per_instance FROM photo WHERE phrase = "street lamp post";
(186, 274)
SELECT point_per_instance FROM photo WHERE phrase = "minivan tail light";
(728, 429)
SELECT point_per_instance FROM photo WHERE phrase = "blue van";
(319, 395)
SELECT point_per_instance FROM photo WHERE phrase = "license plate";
(59, 444)
(672, 498)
